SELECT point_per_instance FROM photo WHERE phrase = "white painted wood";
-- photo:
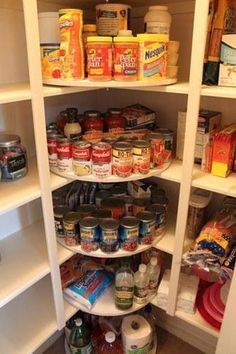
(198, 47)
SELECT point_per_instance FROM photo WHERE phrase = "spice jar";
(93, 121)
(114, 120)
(109, 235)
(13, 159)
(126, 58)
(99, 58)
(72, 129)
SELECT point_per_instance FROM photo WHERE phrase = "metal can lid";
(146, 216)
(63, 140)
(109, 139)
(89, 222)
(109, 224)
(72, 216)
(129, 222)
(142, 202)
(85, 208)
(101, 146)
(163, 131)
(141, 144)
(60, 210)
(7, 140)
(112, 203)
(156, 209)
(82, 144)
(101, 213)
(122, 145)
(92, 114)
(55, 135)
(115, 111)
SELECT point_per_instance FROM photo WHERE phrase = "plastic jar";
(13, 159)
(99, 58)
(157, 20)
(125, 58)
(89, 30)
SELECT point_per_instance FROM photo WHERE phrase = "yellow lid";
(99, 39)
(152, 37)
(63, 11)
(89, 27)
(125, 39)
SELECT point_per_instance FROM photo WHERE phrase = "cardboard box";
(227, 74)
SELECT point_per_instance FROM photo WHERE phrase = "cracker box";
(227, 74)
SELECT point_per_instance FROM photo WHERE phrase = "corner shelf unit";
(31, 287)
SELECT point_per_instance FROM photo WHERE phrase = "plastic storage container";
(157, 20)
(99, 58)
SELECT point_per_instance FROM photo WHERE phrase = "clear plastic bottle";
(153, 270)
(80, 340)
(124, 287)
(110, 345)
(141, 282)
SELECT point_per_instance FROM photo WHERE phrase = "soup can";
(86, 209)
(109, 235)
(71, 228)
(157, 149)
(129, 233)
(100, 195)
(141, 156)
(64, 155)
(140, 204)
(122, 159)
(89, 234)
(101, 160)
(147, 221)
(52, 148)
(160, 220)
(81, 154)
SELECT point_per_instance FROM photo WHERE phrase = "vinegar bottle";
(141, 282)
(110, 345)
(80, 341)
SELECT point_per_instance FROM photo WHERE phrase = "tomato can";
(141, 156)
(157, 149)
(129, 233)
(86, 209)
(109, 235)
(81, 154)
(147, 221)
(160, 218)
(101, 160)
(116, 205)
(52, 148)
(89, 234)
(122, 159)
(71, 228)
(64, 155)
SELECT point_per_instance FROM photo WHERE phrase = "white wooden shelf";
(14, 92)
(29, 320)
(218, 91)
(173, 172)
(215, 184)
(105, 306)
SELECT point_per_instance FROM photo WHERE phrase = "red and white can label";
(64, 157)
(52, 151)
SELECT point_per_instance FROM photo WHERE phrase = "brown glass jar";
(114, 120)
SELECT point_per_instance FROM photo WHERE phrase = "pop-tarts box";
(227, 74)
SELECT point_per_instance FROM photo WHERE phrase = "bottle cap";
(78, 321)
(153, 261)
(142, 268)
(110, 337)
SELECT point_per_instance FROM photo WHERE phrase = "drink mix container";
(71, 47)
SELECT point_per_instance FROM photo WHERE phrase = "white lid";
(153, 261)
(78, 321)
(142, 268)
(125, 33)
(48, 14)
(159, 8)
(200, 198)
(110, 337)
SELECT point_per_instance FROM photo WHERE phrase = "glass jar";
(13, 159)
(72, 129)
(114, 120)
(61, 120)
(93, 121)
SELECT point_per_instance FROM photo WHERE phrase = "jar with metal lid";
(116, 205)
(71, 228)
(122, 159)
(146, 227)
(114, 120)
(129, 233)
(59, 212)
(89, 234)
(140, 204)
(160, 220)
(86, 209)
(93, 121)
(109, 235)
(141, 156)
(13, 158)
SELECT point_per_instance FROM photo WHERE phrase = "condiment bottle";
(80, 341)
(72, 128)
(93, 121)
(124, 286)
(141, 282)
(110, 345)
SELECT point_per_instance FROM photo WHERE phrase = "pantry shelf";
(24, 261)
(105, 306)
(215, 184)
(29, 320)
(14, 92)
(167, 242)
(218, 91)
(50, 91)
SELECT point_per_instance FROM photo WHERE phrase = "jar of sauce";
(61, 120)
(114, 120)
(13, 159)
(72, 129)
(93, 121)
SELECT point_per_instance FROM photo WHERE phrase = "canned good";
(128, 205)
(59, 213)
(92, 121)
(89, 234)
(129, 233)
(161, 200)
(101, 160)
(141, 156)
(100, 195)
(122, 159)
(71, 228)
(160, 220)
(109, 139)
(86, 209)
(139, 205)
(13, 158)
(109, 235)
(116, 205)
(157, 149)
(101, 214)
(168, 137)
(114, 120)
(146, 227)
(64, 155)
(81, 154)
(119, 192)
(52, 148)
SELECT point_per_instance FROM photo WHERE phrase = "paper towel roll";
(136, 334)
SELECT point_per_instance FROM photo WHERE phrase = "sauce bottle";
(80, 341)
(124, 286)
(72, 129)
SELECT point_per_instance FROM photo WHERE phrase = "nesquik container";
(99, 58)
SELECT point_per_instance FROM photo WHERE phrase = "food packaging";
(227, 75)
(137, 115)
